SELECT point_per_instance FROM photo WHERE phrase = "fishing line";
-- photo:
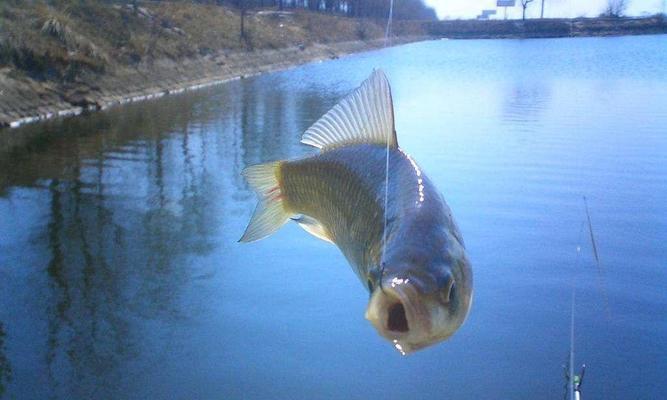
(601, 283)
(587, 222)
(602, 286)
(387, 30)
(590, 230)
(386, 202)
(386, 166)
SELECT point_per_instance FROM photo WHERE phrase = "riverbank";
(86, 57)
(26, 100)
(93, 55)
(546, 28)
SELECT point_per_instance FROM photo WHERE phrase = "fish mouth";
(397, 313)
(397, 321)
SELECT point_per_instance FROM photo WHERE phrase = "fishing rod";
(574, 381)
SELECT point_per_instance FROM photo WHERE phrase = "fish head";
(420, 301)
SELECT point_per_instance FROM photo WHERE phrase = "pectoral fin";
(314, 227)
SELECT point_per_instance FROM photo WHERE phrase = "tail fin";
(270, 213)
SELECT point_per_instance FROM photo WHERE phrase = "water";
(121, 275)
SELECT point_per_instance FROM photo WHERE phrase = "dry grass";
(63, 41)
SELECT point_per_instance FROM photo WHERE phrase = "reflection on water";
(120, 276)
(525, 101)
(5, 368)
(118, 204)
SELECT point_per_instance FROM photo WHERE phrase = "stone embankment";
(27, 100)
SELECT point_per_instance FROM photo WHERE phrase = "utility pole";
(243, 6)
(542, 11)
(505, 4)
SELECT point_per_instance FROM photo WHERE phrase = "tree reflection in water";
(133, 199)
(5, 368)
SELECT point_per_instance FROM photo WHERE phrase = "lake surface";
(121, 276)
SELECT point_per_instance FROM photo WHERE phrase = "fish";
(366, 195)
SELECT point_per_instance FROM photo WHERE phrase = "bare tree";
(616, 8)
(524, 5)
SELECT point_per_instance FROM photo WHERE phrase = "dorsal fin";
(364, 116)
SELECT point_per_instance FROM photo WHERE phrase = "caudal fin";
(270, 213)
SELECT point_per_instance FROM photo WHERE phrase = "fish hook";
(376, 273)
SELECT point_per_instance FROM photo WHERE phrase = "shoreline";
(547, 27)
(24, 100)
(163, 78)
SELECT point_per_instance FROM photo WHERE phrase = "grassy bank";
(63, 43)
(60, 59)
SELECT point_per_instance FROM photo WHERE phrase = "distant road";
(543, 28)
